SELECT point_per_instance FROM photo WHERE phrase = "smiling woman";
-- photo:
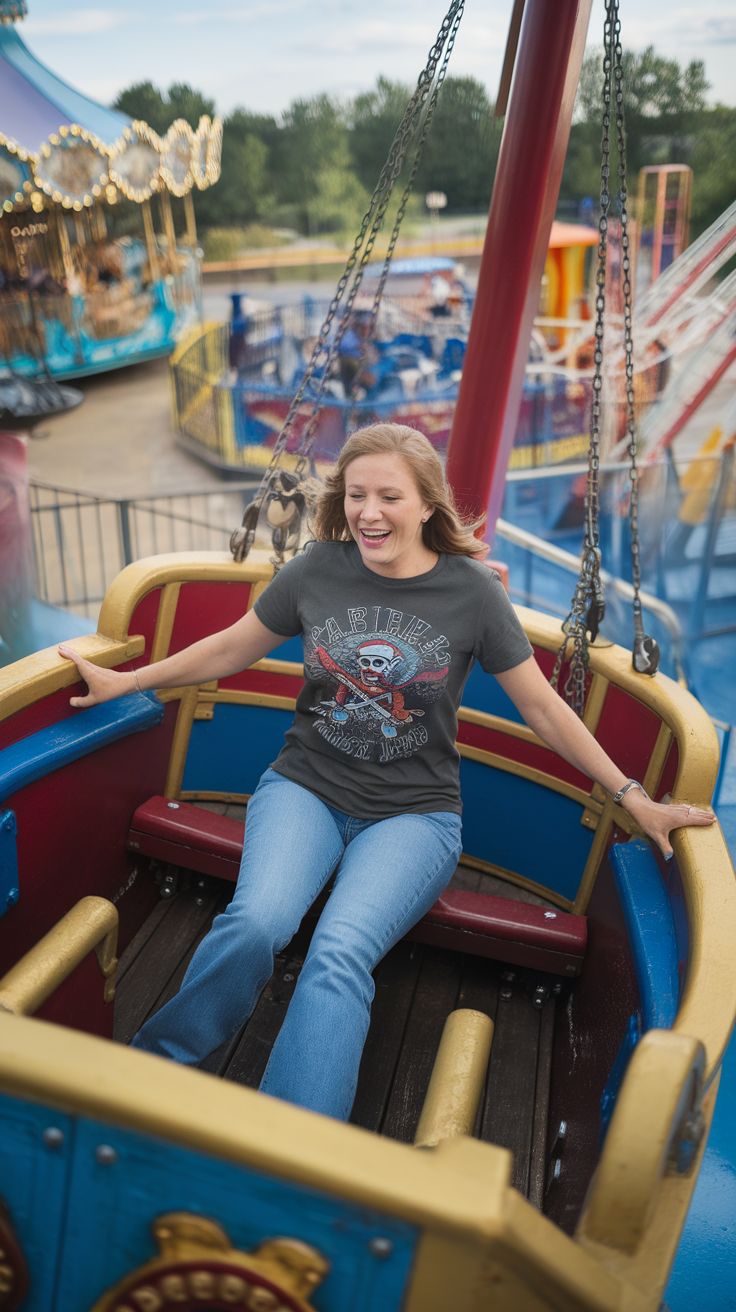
(393, 613)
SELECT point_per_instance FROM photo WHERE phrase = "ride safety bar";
(457, 1080)
(92, 923)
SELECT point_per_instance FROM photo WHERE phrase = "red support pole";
(525, 194)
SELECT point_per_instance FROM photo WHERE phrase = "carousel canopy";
(54, 138)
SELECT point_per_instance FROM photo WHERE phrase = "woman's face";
(385, 514)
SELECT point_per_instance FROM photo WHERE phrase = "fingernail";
(670, 855)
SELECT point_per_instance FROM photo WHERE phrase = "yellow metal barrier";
(92, 923)
(457, 1080)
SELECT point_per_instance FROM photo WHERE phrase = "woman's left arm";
(561, 729)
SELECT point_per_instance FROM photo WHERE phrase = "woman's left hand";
(658, 819)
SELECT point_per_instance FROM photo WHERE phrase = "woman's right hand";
(103, 685)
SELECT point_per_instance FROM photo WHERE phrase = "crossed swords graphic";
(364, 698)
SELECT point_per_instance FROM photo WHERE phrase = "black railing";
(81, 542)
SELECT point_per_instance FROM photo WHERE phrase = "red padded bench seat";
(497, 927)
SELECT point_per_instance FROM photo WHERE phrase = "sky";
(263, 54)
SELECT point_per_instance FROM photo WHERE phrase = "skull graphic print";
(375, 687)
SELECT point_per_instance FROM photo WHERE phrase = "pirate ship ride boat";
(557, 1174)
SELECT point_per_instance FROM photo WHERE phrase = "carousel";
(93, 272)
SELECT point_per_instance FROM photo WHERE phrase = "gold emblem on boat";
(13, 1270)
(197, 1264)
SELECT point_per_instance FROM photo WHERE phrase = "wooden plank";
(157, 961)
(538, 1162)
(147, 929)
(435, 997)
(396, 980)
(509, 1109)
(252, 1052)
(176, 979)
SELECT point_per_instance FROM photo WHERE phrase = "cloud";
(78, 22)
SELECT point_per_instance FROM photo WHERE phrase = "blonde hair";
(444, 531)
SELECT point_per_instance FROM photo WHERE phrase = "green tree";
(144, 101)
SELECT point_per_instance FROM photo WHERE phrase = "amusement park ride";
(76, 295)
(555, 1175)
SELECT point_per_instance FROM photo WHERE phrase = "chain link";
(323, 355)
(588, 604)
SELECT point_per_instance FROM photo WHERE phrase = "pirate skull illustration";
(377, 661)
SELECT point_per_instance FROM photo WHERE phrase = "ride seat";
(523, 935)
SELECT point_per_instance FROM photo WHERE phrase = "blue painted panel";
(9, 887)
(111, 1209)
(291, 650)
(508, 820)
(33, 1183)
(484, 693)
(618, 1070)
(651, 930)
(706, 1258)
(38, 755)
(229, 753)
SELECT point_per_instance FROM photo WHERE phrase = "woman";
(393, 610)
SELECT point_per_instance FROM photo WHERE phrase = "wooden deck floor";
(416, 988)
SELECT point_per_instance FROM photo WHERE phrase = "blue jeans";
(389, 873)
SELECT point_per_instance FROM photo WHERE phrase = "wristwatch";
(633, 783)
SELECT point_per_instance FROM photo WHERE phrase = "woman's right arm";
(224, 653)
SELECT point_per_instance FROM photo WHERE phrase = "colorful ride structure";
(556, 1173)
(86, 284)
(233, 384)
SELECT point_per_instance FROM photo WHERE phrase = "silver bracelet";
(137, 681)
(633, 783)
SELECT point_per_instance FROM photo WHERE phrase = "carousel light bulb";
(74, 129)
(97, 190)
(8, 206)
(19, 196)
(28, 186)
(63, 131)
(77, 205)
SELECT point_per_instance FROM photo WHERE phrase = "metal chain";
(370, 335)
(588, 604)
(322, 355)
(646, 651)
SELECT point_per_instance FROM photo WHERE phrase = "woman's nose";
(371, 510)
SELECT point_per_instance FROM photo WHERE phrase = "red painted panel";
(501, 917)
(498, 949)
(190, 858)
(72, 833)
(628, 732)
(143, 621)
(206, 608)
(516, 749)
(79, 1003)
(184, 823)
(276, 685)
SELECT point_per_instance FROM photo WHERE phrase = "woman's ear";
(427, 514)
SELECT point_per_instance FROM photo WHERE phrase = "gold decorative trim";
(143, 576)
(596, 700)
(180, 742)
(197, 1264)
(294, 669)
(235, 696)
(92, 923)
(511, 877)
(165, 622)
(658, 759)
(34, 677)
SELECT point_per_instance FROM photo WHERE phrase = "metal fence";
(81, 542)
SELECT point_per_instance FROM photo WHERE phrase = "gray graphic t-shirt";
(385, 664)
